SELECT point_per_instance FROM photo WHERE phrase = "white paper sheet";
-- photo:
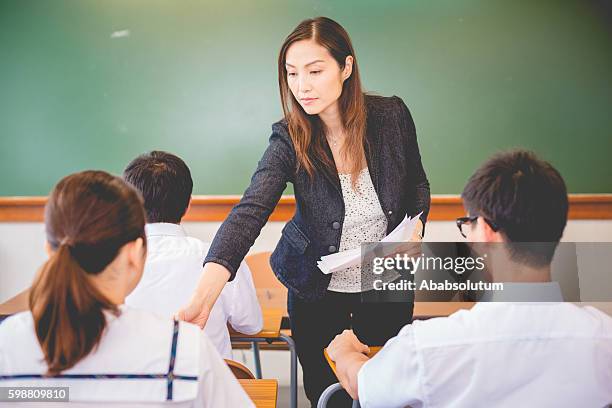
(342, 260)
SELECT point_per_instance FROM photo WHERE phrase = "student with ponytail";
(79, 334)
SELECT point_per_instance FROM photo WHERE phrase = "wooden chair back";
(272, 294)
(240, 371)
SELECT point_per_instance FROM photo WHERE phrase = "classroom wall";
(21, 244)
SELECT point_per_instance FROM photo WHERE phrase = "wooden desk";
(271, 332)
(332, 364)
(426, 310)
(276, 298)
(271, 325)
(263, 393)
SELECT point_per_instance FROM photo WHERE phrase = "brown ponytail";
(88, 218)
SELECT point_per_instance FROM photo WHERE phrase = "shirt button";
(332, 248)
(390, 212)
(336, 225)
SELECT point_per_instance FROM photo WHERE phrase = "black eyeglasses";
(461, 221)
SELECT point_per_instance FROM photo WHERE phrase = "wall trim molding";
(216, 208)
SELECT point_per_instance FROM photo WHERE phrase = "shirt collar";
(525, 292)
(164, 229)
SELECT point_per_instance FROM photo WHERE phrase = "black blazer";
(394, 163)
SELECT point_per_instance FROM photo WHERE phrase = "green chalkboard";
(91, 84)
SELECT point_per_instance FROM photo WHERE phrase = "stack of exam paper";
(342, 260)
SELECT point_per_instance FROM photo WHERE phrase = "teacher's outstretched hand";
(214, 277)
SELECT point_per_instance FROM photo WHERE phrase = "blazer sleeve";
(244, 223)
(418, 176)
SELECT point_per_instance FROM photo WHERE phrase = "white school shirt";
(496, 355)
(134, 343)
(171, 274)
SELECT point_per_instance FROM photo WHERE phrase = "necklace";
(334, 140)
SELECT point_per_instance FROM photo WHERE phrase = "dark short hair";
(525, 197)
(164, 180)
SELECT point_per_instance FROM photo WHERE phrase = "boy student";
(174, 260)
(509, 354)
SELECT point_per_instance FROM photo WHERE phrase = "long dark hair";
(88, 218)
(307, 131)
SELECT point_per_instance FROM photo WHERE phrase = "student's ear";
(136, 252)
(488, 233)
(348, 68)
(188, 205)
(134, 257)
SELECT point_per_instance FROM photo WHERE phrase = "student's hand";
(213, 279)
(346, 342)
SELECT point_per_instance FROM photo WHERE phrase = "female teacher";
(354, 162)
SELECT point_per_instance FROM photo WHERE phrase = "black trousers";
(315, 324)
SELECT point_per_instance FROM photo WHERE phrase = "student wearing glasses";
(354, 163)
(79, 334)
(543, 353)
